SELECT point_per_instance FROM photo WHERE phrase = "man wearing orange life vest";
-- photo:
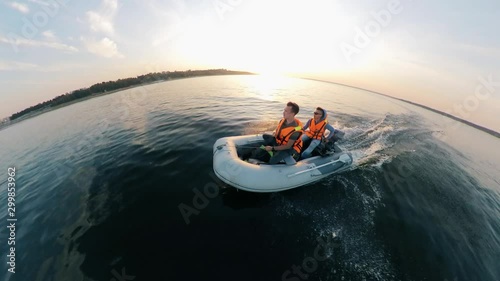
(286, 139)
(317, 127)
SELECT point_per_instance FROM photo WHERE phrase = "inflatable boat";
(255, 176)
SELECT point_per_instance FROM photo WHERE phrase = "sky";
(442, 54)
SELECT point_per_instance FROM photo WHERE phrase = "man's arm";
(331, 129)
(286, 146)
(307, 125)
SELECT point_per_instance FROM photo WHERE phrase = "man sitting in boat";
(315, 134)
(285, 140)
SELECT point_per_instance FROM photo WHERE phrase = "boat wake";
(343, 207)
(341, 210)
(376, 142)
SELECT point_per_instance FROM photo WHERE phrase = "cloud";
(99, 23)
(23, 8)
(18, 42)
(49, 34)
(111, 4)
(62, 66)
(102, 20)
(39, 2)
(105, 47)
(15, 65)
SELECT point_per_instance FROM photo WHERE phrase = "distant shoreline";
(481, 128)
(49, 109)
(42, 111)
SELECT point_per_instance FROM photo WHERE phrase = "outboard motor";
(327, 148)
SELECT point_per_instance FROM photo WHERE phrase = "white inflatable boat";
(271, 178)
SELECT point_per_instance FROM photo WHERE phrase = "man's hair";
(294, 106)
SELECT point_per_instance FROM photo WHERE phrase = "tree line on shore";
(120, 84)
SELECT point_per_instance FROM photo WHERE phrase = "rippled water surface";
(101, 187)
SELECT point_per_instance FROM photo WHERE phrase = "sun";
(287, 37)
(271, 38)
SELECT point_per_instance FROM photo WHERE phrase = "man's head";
(291, 108)
(319, 113)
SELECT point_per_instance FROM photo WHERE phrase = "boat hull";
(271, 178)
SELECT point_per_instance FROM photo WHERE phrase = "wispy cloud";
(174, 19)
(18, 42)
(49, 34)
(62, 66)
(99, 23)
(15, 65)
(102, 20)
(105, 47)
(40, 2)
(23, 8)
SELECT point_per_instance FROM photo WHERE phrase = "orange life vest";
(316, 131)
(283, 135)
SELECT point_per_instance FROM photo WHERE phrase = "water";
(100, 185)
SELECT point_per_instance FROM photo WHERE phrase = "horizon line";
(474, 125)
